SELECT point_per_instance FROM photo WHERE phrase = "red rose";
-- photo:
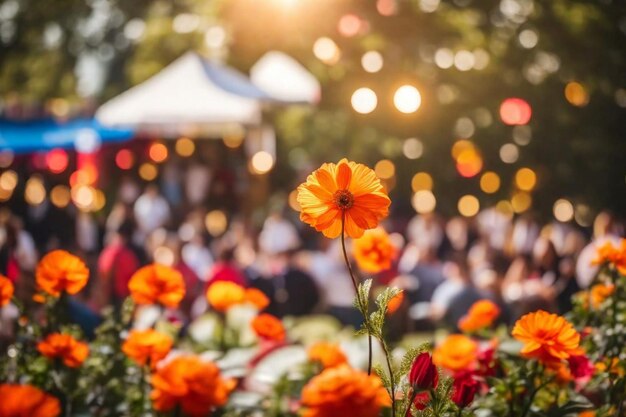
(464, 389)
(424, 374)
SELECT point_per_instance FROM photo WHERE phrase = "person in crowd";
(226, 268)
(152, 211)
(197, 256)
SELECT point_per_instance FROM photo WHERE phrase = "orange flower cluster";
(194, 385)
(27, 401)
(268, 327)
(147, 346)
(327, 354)
(609, 254)
(223, 295)
(600, 292)
(456, 353)
(156, 283)
(547, 337)
(343, 391)
(6, 290)
(374, 252)
(60, 271)
(346, 191)
(64, 347)
(481, 314)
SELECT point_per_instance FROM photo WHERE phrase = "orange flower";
(268, 327)
(609, 254)
(191, 383)
(257, 298)
(547, 337)
(60, 271)
(587, 413)
(157, 284)
(328, 354)
(6, 290)
(147, 346)
(480, 315)
(343, 391)
(395, 302)
(374, 252)
(64, 347)
(344, 189)
(599, 293)
(27, 401)
(223, 295)
(456, 353)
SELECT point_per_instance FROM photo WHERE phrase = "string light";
(364, 100)
(407, 99)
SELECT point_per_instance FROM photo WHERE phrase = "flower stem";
(361, 302)
(391, 379)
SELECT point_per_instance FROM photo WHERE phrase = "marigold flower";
(424, 374)
(546, 337)
(27, 401)
(257, 298)
(464, 389)
(328, 354)
(6, 290)
(60, 271)
(64, 347)
(343, 391)
(374, 252)
(346, 189)
(395, 302)
(480, 315)
(157, 283)
(147, 346)
(456, 353)
(191, 383)
(268, 327)
(600, 292)
(223, 295)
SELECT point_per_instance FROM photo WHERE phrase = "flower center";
(343, 199)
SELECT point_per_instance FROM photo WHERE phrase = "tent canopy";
(84, 135)
(285, 79)
(191, 94)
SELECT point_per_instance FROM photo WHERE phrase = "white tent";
(285, 79)
(190, 96)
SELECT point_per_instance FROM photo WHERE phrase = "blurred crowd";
(443, 265)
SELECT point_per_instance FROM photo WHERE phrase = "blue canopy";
(84, 135)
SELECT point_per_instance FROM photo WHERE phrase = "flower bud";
(424, 374)
(464, 389)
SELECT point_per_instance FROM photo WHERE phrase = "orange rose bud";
(395, 302)
(64, 347)
(328, 354)
(481, 314)
(547, 337)
(223, 295)
(6, 290)
(257, 298)
(157, 284)
(343, 391)
(374, 252)
(346, 191)
(60, 271)
(147, 346)
(456, 353)
(194, 385)
(269, 327)
(27, 401)
(424, 374)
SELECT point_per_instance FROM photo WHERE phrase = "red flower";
(464, 389)
(424, 374)
(581, 367)
(420, 402)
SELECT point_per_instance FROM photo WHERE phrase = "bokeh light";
(216, 222)
(563, 210)
(459, 147)
(84, 197)
(6, 159)
(124, 159)
(35, 192)
(372, 61)
(57, 160)
(515, 111)
(490, 182)
(525, 179)
(412, 148)
(407, 99)
(468, 205)
(349, 25)
(364, 100)
(509, 153)
(158, 152)
(185, 147)
(422, 181)
(326, 50)
(464, 60)
(148, 171)
(262, 162)
(385, 169)
(8, 180)
(424, 201)
(521, 201)
(60, 196)
(234, 140)
(469, 163)
(576, 94)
